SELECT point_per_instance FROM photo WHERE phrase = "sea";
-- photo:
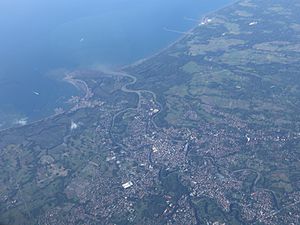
(41, 40)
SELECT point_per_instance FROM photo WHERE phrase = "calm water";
(42, 38)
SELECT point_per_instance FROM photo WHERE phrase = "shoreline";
(69, 79)
(178, 40)
(78, 84)
(34, 122)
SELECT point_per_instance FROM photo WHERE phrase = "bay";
(41, 38)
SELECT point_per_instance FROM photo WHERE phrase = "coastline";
(70, 80)
(77, 83)
(84, 87)
(180, 38)
(34, 122)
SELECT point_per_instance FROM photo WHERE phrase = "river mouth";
(109, 34)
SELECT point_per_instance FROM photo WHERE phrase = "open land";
(205, 132)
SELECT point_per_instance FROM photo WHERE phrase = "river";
(40, 40)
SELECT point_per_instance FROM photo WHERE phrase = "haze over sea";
(40, 38)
